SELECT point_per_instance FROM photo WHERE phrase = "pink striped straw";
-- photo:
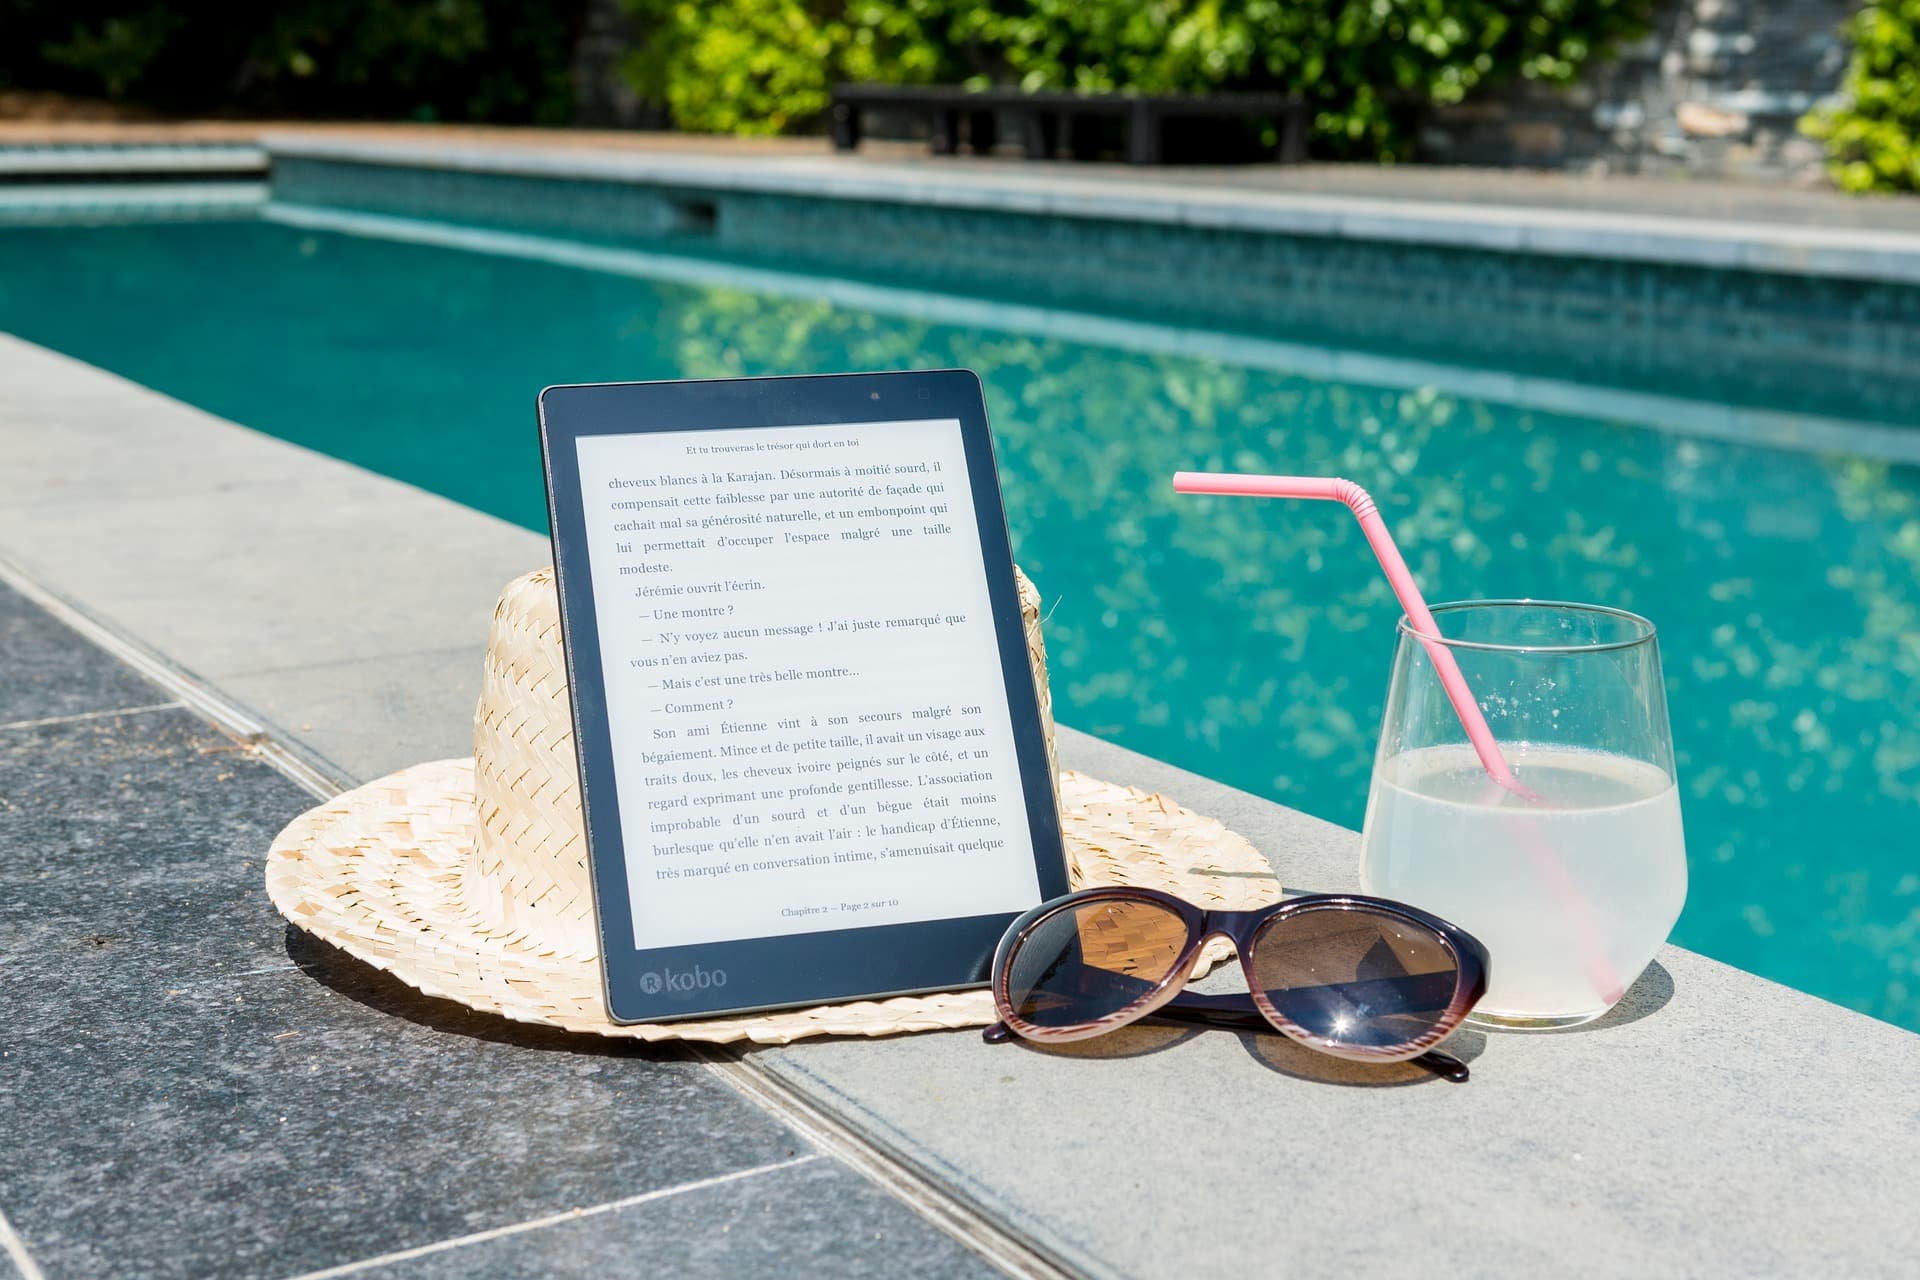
(1332, 489)
(1599, 971)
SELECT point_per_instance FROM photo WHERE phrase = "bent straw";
(1606, 982)
(1399, 577)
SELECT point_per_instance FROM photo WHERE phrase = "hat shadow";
(383, 993)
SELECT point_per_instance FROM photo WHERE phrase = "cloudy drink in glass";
(1574, 877)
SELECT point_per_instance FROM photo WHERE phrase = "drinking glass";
(1573, 878)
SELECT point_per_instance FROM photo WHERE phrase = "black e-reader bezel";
(802, 968)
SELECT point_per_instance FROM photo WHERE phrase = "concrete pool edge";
(349, 611)
(1164, 199)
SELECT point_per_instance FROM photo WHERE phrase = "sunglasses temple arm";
(1444, 1065)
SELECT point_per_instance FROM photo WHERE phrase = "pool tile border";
(1701, 327)
(103, 202)
(1675, 414)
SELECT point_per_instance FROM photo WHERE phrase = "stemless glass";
(1574, 880)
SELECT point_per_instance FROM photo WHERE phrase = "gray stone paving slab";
(813, 1219)
(192, 1088)
(276, 1125)
(121, 839)
(48, 673)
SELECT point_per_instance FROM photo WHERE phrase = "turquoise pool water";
(1248, 641)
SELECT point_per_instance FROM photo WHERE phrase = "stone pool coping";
(1716, 1124)
(55, 163)
(1694, 197)
(1210, 201)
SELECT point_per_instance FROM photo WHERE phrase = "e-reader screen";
(812, 757)
(809, 724)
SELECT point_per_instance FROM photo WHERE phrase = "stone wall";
(601, 98)
(1714, 90)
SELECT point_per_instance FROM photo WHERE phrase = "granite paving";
(49, 676)
(191, 1087)
(810, 1219)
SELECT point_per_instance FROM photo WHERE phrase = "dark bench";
(1046, 117)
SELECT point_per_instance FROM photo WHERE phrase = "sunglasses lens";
(1354, 977)
(1092, 960)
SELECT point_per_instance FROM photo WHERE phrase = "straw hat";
(468, 879)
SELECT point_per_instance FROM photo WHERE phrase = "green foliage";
(1367, 66)
(733, 67)
(426, 59)
(765, 66)
(1873, 139)
(118, 52)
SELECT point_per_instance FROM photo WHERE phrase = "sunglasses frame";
(1242, 929)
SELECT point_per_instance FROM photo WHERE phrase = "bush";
(766, 66)
(424, 59)
(1367, 66)
(1873, 140)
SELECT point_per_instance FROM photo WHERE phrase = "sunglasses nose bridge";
(1239, 928)
(1236, 927)
(1207, 936)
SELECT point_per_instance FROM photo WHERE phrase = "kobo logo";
(694, 979)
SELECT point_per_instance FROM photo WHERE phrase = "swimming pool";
(1248, 641)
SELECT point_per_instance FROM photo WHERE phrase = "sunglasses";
(1359, 978)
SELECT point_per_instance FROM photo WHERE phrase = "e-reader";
(812, 761)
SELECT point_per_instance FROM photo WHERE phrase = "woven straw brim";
(377, 872)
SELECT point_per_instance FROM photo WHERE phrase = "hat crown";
(529, 880)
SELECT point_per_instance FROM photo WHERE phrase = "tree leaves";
(1873, 139)
(430, 59)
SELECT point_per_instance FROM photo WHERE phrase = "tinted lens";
(1087, 962)
(1355, 977)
